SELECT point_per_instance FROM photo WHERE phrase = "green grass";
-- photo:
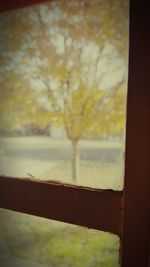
(47, 142)
(90, 174)
(58, 244)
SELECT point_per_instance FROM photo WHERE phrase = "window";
(125, 213)
(46, 242)
(63, 108)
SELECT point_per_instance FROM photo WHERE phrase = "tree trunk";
(75, 161)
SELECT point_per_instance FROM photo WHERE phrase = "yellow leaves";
(80, 114)
(19, 106)
(61, 72)
(8, 102)
(41, 118)
(102, 22)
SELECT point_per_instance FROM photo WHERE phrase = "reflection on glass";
(63, 76)
(29, 241)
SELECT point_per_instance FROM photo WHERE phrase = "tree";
(19, 104)
(77, 70)
(19, 107)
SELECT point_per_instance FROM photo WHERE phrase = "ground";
(101, 163)
(38, 241)
(33, 241)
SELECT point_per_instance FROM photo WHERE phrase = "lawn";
(53, 243)
(91, 174)
(101, 163)
(57, 244)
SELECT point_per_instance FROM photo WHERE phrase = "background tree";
(74, 53)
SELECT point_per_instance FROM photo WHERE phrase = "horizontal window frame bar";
(91, 208)
(16, 4)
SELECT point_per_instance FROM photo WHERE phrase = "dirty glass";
(63, 87)
(27, 240)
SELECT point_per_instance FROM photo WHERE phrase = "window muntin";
(56, 80)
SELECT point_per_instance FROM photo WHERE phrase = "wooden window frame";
(125, 213)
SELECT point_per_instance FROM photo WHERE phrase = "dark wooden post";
(136, 222)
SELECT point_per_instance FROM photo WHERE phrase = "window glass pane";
(32, 241)
(63, 86)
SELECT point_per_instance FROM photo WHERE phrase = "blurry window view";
(63, 87)
(30, 241)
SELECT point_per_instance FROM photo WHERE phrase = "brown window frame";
(125, 213)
